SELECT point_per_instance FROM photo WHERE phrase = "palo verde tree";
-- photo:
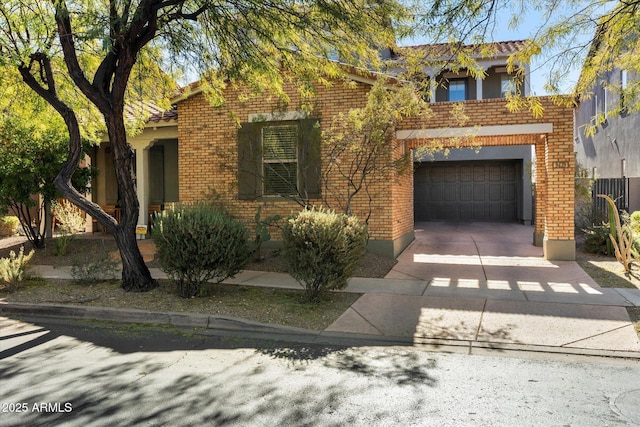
(96, 45)
(362, 151)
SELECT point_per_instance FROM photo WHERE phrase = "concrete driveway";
(493, 260)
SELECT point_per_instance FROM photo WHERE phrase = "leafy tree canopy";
(99, 47)
(33, 150)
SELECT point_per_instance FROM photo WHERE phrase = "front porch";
(156, 171)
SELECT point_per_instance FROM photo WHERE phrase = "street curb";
(493, 348)
(230, 326)
(218, 325)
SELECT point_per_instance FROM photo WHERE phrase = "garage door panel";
(437, 174)
(436, 192)
(509, 173)
(451, 192)
(495, 173)
(479, 212)
(466, 173)
(495, 192)
(451, 175)
(509, 192)
(466, 191)
(478, 192)
(478, 173)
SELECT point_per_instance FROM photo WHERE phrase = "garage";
(468, 191)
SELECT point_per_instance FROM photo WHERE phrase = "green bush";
(323, 249)
(12, 269)
(197, 244)
(634, 222)
(8, 225)
(597, 239)
(70, 221)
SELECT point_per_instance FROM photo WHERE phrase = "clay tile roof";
(152, 113)
(443, 50)
(164, 115)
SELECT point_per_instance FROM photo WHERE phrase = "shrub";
(8, 225)
(12, 269)
(634, 222)
(262, 231)
(197, 244)
(583, 200)
(91, 267)
(70, 221)
(323, 249)
(597, 239)
(62, 242)
(69, 217)
(620, 234)
(634, 225)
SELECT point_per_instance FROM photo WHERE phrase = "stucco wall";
(613, 142)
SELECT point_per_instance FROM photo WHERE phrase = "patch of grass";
(264, 305)
(608, 276)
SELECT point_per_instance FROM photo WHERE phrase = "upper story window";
(458, 90)
(624, 84)
(507, 85)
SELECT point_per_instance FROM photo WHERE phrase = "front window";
(280, 159)
(458, 90)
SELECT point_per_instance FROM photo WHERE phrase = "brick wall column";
(541, 191)
(559, 242)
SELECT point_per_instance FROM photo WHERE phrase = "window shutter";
(309, 157)
(249, 162)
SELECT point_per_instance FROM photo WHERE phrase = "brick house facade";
(208, 159)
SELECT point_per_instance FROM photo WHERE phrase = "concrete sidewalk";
(467, 287)
(565, 319)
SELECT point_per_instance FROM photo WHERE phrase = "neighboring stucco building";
(614, 150)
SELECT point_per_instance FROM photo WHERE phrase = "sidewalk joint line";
(479, 257)
(367, 321)
(597, 335)
(484, 307)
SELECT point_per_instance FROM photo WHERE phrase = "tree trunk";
(107, 93)
(135, 274)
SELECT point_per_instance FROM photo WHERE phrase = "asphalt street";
(79, 373)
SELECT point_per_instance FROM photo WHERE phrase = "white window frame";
(464, 85)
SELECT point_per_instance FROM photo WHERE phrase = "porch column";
(432, 88)
(479, 87)
(142, 181)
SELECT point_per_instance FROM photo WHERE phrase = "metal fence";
(617, 188)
